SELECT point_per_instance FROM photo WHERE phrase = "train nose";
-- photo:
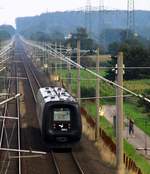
(62, 139)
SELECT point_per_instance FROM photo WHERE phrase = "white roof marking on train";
(56, 94)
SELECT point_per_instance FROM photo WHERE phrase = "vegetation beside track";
(128, 148)
(131, 108)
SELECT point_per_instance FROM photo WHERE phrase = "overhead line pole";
(119, 118)
(56, 60)
(78, 74)
(97, 97)
(69, 68)
(61, 65)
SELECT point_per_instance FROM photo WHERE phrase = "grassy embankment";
(129, 149)
(130, 109)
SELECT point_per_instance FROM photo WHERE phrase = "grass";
(88, 81)
(139, 159)
(128, 148)
(131, 109)
(138, 86)
(136, 113)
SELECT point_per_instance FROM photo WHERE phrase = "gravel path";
(139, 140)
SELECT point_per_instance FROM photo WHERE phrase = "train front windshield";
(61, 114)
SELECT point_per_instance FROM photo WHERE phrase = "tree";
(7, 29)
(4, 35)
(144, 103)
(40, 36)
(86, 42)
(135, 55)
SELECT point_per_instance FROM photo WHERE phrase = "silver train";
(58, 115)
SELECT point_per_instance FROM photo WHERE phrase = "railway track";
(10, 130)
(21, 162)
(32, 78)
(56, 158)
(66, 163)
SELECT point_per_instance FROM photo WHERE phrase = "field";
(138, 86)
(88, 81)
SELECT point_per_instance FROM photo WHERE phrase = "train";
(59, 116)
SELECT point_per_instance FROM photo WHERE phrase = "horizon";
(10, 10)
(14, 25)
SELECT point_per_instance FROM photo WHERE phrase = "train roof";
(54, 94)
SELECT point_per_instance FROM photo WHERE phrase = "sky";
(10, 9)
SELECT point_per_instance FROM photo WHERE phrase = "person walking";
(131, 127)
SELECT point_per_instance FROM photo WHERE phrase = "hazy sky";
(10, 9)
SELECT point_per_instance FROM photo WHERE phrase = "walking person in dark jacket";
(131, 127)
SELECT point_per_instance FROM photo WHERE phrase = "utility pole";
(97, 97)
(78, 74)
(69, 67)
(119, 119)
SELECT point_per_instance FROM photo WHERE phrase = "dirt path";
(140, 140)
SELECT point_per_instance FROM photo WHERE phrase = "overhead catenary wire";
(103, 97)
(9, 99)
(7, 48)
(3, 122)
(7, 117)
(4, 60)
(67, 60)
(104, 67)
(23, 151)
(20, 78)
(8, 146)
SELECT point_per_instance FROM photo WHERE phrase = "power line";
(88, 17)
(101, 21)
(53, 52)
(130, 17)
(103, 97)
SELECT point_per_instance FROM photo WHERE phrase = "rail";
(18, 122)
(75, 161)
(27, 69)
(55, 163)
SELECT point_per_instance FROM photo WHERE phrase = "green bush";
(87, 91)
